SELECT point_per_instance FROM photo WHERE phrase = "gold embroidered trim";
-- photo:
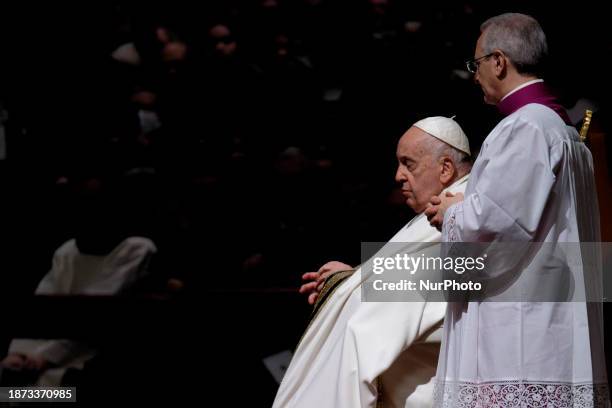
(329, 287)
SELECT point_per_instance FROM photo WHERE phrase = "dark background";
(266, 165)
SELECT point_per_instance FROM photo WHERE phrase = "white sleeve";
(513, 184)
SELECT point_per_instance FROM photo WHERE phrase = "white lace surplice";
(533, 182)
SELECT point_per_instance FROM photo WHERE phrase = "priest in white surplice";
(532, 182)
(354, 353)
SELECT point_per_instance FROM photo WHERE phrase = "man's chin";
(414, 207)
(488, 100)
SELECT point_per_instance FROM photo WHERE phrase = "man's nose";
(400, 177)
(475, 77)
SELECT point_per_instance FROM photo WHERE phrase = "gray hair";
(520, 37)
(438, 148)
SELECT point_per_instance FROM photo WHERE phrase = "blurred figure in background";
(106, 257)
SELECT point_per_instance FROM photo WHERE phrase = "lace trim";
(449, 227)
(521, 394)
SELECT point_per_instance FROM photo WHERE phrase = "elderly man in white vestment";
(358, 354)
(532, 183)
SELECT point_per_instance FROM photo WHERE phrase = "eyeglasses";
(472, 65)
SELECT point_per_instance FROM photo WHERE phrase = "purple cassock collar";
(534, 93)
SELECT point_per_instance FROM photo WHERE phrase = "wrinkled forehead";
(413, 144)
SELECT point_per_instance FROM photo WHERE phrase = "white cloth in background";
(74, 273)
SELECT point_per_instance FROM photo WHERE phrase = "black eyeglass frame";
(472, 65)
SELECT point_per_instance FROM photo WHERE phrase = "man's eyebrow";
(406, 158)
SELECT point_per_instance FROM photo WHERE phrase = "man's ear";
(447, 170)
(501, 64)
